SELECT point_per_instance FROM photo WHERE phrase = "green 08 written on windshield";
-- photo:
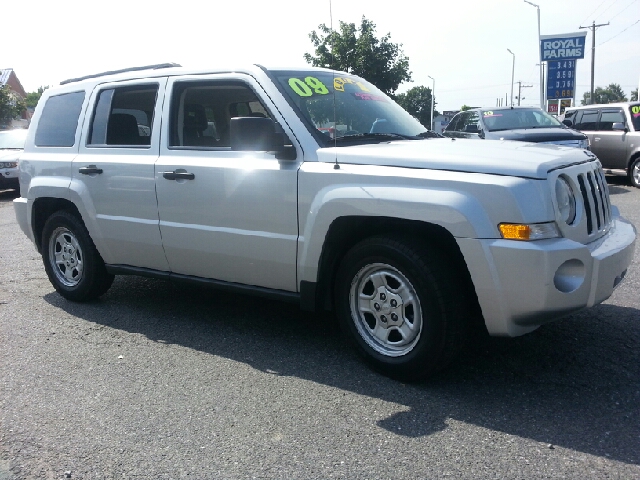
(343, 109)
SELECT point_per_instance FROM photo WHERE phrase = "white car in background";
(11, 146)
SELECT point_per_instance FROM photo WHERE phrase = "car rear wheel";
(73, 265)
(396, 298)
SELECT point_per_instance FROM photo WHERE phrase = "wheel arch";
(42, 209)
(345, 232)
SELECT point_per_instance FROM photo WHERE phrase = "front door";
(224, 215)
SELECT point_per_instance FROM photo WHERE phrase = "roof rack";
(114, 72)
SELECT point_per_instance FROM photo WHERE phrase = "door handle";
(178, 175)
(90, 170)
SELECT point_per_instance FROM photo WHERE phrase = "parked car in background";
(614, 134)
(11, 146)
(524, 124)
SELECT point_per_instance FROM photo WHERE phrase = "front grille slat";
(595, 198)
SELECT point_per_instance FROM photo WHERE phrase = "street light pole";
(433, 89)
(541, 67)
(513, 69)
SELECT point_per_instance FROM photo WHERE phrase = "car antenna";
(336, 165)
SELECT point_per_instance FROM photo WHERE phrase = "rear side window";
(59, 120)
(608, 118)
(124, 116)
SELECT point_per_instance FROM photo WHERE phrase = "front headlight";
(566, 200)
(584, 144)
(8, 164)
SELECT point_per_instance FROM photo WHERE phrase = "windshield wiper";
(381, 137)
(430, 134)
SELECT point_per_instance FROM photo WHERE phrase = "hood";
(537, 135)
(9, 155)
(497, 157)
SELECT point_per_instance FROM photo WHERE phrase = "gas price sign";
(561, 79)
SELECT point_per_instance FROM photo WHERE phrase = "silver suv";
(314, 187)
(614, 134)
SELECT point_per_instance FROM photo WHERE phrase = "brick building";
(9, 77)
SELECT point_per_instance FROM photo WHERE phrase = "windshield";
(345, 109)
(13, 139)
(635, 116)
(518, 118)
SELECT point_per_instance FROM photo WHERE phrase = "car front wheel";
(398, 301)
(634, 173)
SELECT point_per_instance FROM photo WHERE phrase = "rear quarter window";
(59, 120)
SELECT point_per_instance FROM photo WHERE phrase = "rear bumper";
(521, 285)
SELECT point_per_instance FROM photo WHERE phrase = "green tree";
(634, 95)
(610, 94)
(33, 97)
(358, 51)
(464, 108)
(11, 105)
(417, 101)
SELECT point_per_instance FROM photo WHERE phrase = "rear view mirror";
(619, 126)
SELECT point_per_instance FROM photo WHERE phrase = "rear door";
(224, 215)
(114, 173)
(586, 121)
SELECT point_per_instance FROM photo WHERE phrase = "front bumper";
(9, 178)
(521, 285)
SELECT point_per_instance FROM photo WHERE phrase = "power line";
(597, 8)
(634, 23)
(632, 2)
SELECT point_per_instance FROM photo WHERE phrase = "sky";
(462, 45)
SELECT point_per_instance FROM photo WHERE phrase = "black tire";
(634, 173)
(424, 329)
(74, 266)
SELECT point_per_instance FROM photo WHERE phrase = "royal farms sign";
(568, 46)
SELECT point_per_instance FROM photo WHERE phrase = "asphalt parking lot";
(162, 381)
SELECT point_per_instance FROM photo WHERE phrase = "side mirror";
(618, 126)
(471, 128)
(254, 134)
(568, 123)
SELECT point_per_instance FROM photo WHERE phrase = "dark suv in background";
(614, 134)
(524, 124)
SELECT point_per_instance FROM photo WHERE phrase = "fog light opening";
(569, 276)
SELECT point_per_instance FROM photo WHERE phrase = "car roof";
(603, 105)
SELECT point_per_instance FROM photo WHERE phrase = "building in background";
(8, 77)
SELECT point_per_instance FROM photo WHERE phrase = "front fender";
(459, 213)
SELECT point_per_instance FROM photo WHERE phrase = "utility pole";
(593, 52)
(520, 87)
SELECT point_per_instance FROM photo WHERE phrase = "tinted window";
(59, 120)
(608, 118)
(460, 122)
(453, 123)
(471, 123)
(124, 116)
(200, 112)
(587, 121)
